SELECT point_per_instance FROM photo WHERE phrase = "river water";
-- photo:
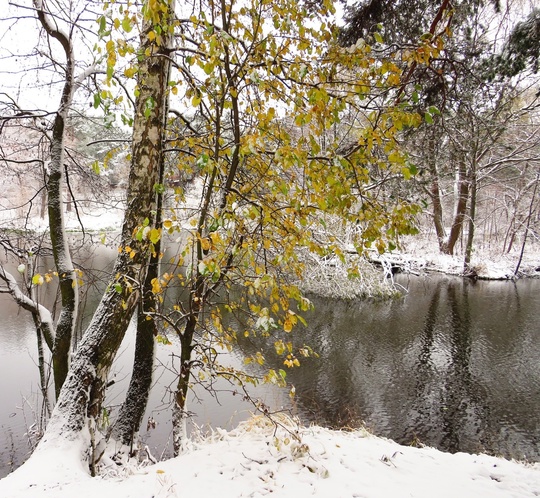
(453, 364)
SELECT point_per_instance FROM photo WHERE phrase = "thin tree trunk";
(471, 225)
(199, 290)
(55, 186)
(434, 191)
(529, 216)
(435, 195)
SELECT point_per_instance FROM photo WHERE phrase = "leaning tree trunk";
(82, 395)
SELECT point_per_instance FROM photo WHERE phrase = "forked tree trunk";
(80, 402)
(462, 186)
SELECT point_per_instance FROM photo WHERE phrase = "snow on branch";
(43, 314)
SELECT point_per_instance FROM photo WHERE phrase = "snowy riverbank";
(420, 254)
(255, 460)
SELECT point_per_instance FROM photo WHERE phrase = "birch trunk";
(80, 402)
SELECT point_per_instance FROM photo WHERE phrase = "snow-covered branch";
(40, 312)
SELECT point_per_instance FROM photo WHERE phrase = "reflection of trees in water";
(422, 412)
(464, 405)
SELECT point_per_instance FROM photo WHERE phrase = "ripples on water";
(453, 364)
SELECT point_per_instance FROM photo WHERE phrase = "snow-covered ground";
(256, 460)
(421, 254)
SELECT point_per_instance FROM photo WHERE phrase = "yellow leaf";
(205, 244)
(37, 279)
(130, 72)
(156, 286)
(154, 235)
(287, 325)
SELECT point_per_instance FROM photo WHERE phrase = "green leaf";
(163, 340)
(406, 173)
(102, 26)
(118, 287)
(126, 24)
(97, 100)
(378, 37)
(428, 118)
(202, 160)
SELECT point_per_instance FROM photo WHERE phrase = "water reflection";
(453, 364)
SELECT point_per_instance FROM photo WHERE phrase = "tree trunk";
(80, 402)
(437, 211)
(55, 187)
(462, 186)
(528, 223)
(471, 224)
(431, 155)
(132, 411)
(186, 339)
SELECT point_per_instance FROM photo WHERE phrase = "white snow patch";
(256, 459)
(420, 253)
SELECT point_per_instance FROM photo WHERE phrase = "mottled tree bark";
(132, 411)
(81, 397)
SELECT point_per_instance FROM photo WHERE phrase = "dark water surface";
(453, 364)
